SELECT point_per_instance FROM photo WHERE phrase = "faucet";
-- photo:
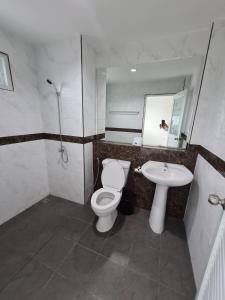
(166, 166)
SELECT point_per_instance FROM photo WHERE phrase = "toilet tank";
(125, 164)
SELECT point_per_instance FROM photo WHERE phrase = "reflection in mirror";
(152, 104)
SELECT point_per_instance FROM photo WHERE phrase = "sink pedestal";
(157, 215)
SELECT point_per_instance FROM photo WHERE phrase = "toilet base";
(105, 223)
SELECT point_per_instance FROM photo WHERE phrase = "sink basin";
(165, 175)
(171, 175)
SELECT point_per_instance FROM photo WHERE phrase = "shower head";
(52, 83)
(49, 81)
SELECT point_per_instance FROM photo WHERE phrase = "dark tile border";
(215, 161)
(20, 138)
(123, 129)
(49, 136)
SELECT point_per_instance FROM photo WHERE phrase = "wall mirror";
(152, 104)
(146, 94)
(5, 73)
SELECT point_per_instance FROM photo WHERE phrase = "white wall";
(201, 219)
(61, 62)
(209, 130)
(23, 176)
(178, 46)
(89, 88)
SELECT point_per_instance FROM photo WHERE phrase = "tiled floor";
(52, 251)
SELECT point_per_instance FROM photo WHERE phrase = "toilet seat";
(105, 198)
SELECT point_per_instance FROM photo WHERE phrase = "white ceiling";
(155, 71)
(41, 20)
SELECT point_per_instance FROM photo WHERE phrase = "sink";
(165, 175)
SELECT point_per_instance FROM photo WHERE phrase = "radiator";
(213, 283)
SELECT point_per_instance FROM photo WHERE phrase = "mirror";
(146, 94)
(152, 104)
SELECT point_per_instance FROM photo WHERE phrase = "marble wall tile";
(201, 218)
(66, 180)
(20, 109)
(23, 177)
(89, 88)
(178, 46)
(209, 129)
(88, 165)
(140, 190)
(61, 62)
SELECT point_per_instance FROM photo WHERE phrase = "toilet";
(105, 200)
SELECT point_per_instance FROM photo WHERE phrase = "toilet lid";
(113, 176)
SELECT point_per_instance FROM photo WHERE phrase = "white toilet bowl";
(105, 200)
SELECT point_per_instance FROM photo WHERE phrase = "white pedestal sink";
(165, 175)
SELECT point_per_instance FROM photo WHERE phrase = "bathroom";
(112, 140)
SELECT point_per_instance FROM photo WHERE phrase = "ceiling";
(155, 71)
(41, 20)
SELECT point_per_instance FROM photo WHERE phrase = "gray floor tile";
(27, 283)
(166, 294)
(71, 229)
(147, 238)
(144, 260)
(78, 265)
(137, 287)
(59, 288)
(53, 253)
(30, 238)
(131, 257)
(177, 274)
(117, 249)
(175, 244)
(106, 280)
(93, 239)
(11, 261)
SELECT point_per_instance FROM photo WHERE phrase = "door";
(174, 136)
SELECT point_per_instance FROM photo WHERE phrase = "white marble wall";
(66, 180)
(201, 218)
(209, 129)
(88, 165)
(61, 62)
(20, 110)
(183, 45)
(100, 100)
(23, 176)
(89, 88)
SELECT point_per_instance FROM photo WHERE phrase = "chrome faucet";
(166, 166)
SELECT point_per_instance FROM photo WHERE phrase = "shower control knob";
(216, 200)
